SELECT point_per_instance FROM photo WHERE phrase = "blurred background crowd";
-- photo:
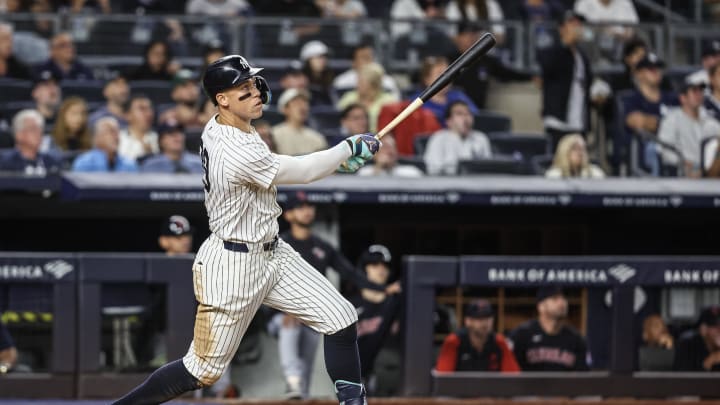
(585, 88)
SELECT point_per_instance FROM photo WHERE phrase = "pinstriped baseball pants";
(231, 286)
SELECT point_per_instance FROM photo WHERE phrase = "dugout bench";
(423, 274)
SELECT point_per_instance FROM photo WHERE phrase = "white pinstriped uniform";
(230, 286)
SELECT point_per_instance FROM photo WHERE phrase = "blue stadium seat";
(325, 119)
(490, 121)
(494, 165)
(15, 90)
(90, 90)
(273, 116)
(416, 161)
(522, 146)
(158, 90)
(420, 143)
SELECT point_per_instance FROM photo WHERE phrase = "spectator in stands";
(478, 10)
(344, 9)
(173, 158)
(71, 131)
(314, 57)
(430, 70)
(634, 50)
(185, 94)
(264, 129)
(294, 77)
(212, 52)
(712, 98)
(292, 136)
(176, 236)
(63, 62)
(377, 327)
(604, 11)
(420, 122)
(699, 349)
(545, 343)
(157, 64)
(138, 139)
(710, 58)
(8, 352)
(104, 156)
(474, 80)
(684, 128)
(207, 111)
(28, 127)
(369, 93)
(414, 10)
(475, 347)
(10, 66)
(386, 163)
(645, 107)
(571, 160)
(378, 8)
(566, 78)
(47, 95)
(117, 93)
(218, 8)
(90, 6)
(447, 147)
(362, 55)
(353, 120)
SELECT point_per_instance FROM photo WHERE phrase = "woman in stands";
(571, 160)
(369, 93)
(157, 63)
(71, 131)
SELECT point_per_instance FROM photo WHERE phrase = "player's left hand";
(353, 164)
(364, 145)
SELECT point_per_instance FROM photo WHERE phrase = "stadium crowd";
(62, 113)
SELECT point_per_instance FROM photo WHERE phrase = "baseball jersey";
(238, 171)
(691, 352)
(458, 354)
(376, 328)
(535, 350)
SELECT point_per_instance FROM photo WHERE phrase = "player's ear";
(221, 99)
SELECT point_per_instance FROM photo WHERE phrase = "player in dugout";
(476, 347)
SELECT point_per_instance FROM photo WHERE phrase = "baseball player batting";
(243, 263)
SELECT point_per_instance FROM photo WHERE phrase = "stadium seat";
(324, 119)
(420, 143)
(158, 90)
(90, 90)
(520, 145)
(273, 116)
(9, 109)
(15, 90)
(495, 165)
(192, 139)
(489, 121)
(6, 140)
(416, 161)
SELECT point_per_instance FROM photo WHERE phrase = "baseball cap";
(176, 225)
(375, 254)
(169, 126)
(547, 292)
(571, 15)
(45, 76)
(293, 67)
(291, 94)
(479, 308)
(710, 315)
(650, 60)
(183, 76)
(313, 48)
(688, 84)
(711, 48)
(296, 199)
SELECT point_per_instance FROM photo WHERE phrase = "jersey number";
(205, 164)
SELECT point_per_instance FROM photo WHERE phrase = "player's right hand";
(364, 146)
(353, 164)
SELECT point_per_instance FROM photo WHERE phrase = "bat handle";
(400, 117)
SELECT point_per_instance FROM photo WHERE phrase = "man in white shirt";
(621, 11)
(710, 58)
(447, 147)
(386, 162)
(363, 54)
(685, 127)
(292, 136)
(138, 139)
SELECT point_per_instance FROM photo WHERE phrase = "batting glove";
(353, 164)
(363, 146)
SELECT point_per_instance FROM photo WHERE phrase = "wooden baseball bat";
(479, 48)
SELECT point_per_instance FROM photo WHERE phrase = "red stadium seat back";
(419, 122)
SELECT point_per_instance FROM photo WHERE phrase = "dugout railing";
(425, 274)
(78, 283)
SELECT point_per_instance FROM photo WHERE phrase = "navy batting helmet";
(230, 71)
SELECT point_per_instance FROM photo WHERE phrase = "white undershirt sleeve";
(314, 166)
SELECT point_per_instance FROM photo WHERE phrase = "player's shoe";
(350, 393)
(292, 389)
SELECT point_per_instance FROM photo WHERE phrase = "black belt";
(243, 247)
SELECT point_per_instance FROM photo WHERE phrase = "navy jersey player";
(243, 263)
